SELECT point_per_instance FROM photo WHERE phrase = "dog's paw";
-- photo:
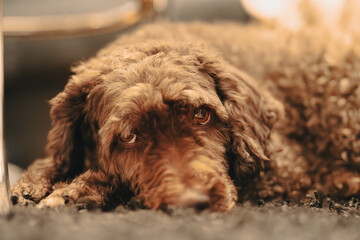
(52, 202)
(67, 196)
(28, 194)
(58, 198)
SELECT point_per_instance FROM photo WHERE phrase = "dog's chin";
(220, 197)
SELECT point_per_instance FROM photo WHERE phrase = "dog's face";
(162, 120)
(166, 134)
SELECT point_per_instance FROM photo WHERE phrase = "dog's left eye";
(201, 116)
(129, 139)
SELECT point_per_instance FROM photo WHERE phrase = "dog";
(202, 116)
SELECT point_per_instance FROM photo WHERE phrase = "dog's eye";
(129, 139)
(201, 116)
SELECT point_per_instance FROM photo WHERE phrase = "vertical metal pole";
(5, 206)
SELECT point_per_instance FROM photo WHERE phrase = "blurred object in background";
(5, 206)
(36, 70)
(296, 13)
(278, 11)
(78, 24)
(14, 173)
(205, 10)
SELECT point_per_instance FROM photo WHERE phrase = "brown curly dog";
(168, 113)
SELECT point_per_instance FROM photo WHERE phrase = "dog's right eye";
(201, 116)
(129, 139)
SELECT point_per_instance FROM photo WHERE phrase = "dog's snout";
(194, 199)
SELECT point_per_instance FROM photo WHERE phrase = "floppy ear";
(252, 113)
(65, 141)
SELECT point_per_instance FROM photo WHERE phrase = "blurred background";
(37, 68)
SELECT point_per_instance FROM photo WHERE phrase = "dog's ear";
(65, 141)
(252, 113)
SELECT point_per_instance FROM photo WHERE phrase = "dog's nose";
(194, 199)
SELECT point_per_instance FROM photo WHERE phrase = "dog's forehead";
(175, 76)
(148, 85)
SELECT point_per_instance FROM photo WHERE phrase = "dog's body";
(171, 113)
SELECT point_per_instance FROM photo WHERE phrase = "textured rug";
(319, 218)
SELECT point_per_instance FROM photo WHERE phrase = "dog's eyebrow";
(199, 97)
(129, 106)
(193, 91)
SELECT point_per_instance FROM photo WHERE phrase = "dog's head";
(164, 117)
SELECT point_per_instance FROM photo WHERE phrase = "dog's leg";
(35, 183)
(89, 188)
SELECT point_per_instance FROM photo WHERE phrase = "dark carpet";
(315, 219)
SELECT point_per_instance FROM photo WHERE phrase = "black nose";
(194, 199)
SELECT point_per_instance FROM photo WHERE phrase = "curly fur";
(285, 119)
